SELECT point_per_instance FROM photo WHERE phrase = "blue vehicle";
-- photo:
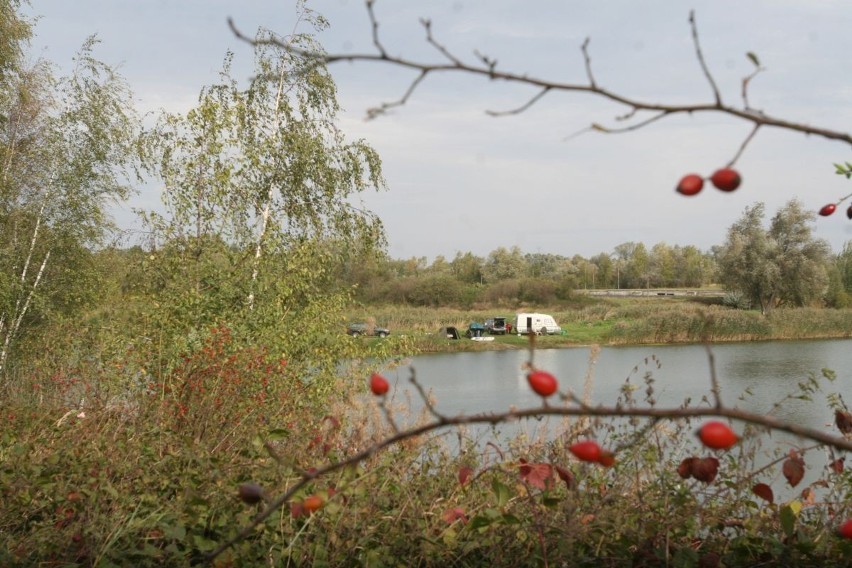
(475, 329)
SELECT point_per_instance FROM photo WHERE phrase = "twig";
(428, 403)
(743, 145)
(714, 380)
(521, 108)
(488, 68)
(701, 61)
(656, 414)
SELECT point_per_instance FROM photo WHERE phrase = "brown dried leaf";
(705, 469)
(843, 420)
(837, 465)
(464, 474)
(808, 496)
(793, 470)
(454, 514)
(566, 475)
(684, 470)
(763, 491)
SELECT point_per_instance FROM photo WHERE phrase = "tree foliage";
(781, 265)
(66, 151)
(260, 191)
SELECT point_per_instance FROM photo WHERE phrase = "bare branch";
(700, 56)
(743, 145)
(488, 68)
(384, 107)
(375, 25)
(652, 413)
(521, 108)
(588, 61)
(429, 38)
(746, 81)
(714, 380)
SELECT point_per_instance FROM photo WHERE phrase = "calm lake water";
(495, 380)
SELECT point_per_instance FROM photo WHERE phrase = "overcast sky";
(459, 180)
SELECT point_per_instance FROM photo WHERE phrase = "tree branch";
(495, 418)
(487, 68)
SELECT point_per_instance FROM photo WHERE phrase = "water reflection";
(769, 371)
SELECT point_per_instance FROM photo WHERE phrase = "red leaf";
(705, 469)
(793, 469)
(837, 465)
(566, 476)
(607, 458)
(764, 492)
(454, 514)
(843, 420)
(464, 474)
(684, 470)
(538, 475)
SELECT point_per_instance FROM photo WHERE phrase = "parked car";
(356, 329)
(475, 329)
(496, 326)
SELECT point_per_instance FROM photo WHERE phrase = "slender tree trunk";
(270, 194)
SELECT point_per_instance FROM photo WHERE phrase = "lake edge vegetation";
(183, 401)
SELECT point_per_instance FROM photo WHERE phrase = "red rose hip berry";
(717, 435)
(726, 179)
(690, 184)
(542, 382)
(828, 209)
(378, 384)
(845, 530)
(587, 450)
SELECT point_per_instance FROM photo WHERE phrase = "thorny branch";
(574, 408)
(487, 67)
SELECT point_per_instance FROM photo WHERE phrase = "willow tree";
(261, 197)
(781, 265)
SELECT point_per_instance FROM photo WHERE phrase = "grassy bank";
(620, 321)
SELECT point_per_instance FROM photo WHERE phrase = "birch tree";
(260, 187)
(66, 149)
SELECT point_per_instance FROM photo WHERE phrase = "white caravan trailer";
(540, 324)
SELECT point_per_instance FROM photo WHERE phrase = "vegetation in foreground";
(158, 401)
(174, 470)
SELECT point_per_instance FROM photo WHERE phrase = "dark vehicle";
(475, 329)
(496, 326)
(357, 329)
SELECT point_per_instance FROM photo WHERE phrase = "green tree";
(259, 191)
(782, 265)
(67, 148)
(467, 267)
(843, 261)
(504, 264)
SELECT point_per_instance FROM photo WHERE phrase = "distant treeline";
(513, 277)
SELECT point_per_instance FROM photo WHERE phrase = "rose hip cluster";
(714, 434)
(725, 179)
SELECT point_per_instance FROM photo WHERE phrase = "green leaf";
(277, 434)
(753, 58)
(479, 522)
(789, 514)
(501, 492)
